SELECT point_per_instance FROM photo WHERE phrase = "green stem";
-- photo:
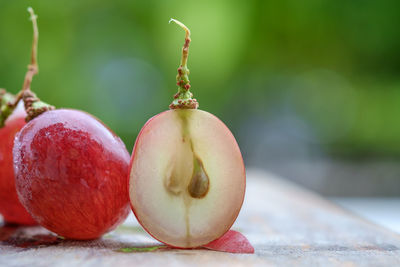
(183, 99)
(6, 106)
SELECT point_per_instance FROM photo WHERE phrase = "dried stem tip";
(185, 49)
(33, 68)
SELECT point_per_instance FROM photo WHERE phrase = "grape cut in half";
(187, 178)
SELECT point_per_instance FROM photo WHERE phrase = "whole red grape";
(10, 207)
(71, 174)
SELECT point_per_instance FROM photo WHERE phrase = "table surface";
(384, 211)
(286, 224)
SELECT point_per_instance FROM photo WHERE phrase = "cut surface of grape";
(187, 178)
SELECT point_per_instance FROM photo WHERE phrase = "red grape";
(10, 207)
(71, 174)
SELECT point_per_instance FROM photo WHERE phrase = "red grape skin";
(71, 174)
(10, 207)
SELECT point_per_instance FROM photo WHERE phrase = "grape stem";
(183, 99)
(33, 105)
(33, 68)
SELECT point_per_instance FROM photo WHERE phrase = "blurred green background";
(310, 89)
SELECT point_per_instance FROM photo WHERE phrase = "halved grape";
(187, 178)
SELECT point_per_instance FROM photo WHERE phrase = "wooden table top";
(286, 224)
